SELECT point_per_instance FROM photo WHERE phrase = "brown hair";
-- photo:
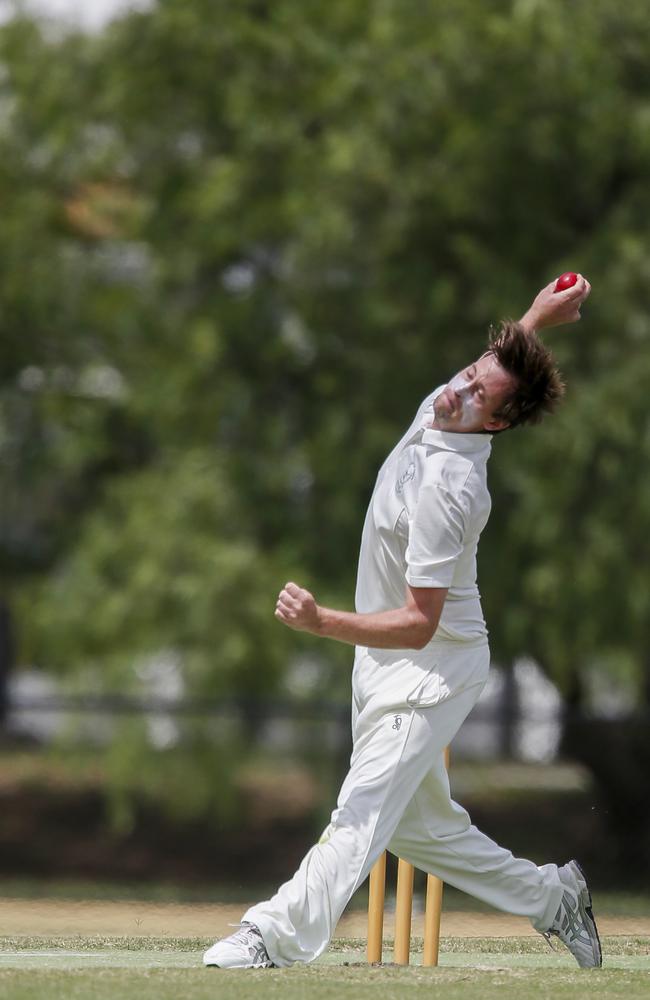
(539, 384)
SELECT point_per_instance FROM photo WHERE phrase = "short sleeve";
(436, 535)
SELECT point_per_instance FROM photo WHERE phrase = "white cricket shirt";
(427, 511)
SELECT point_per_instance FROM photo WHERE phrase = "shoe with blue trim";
(574, 922)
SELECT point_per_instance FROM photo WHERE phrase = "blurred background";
(239, 242)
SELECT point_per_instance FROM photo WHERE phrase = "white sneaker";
(245, 949)
(574, 922)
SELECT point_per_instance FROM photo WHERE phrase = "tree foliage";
(240, 242)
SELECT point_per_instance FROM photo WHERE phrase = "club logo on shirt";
(397, 724)
(405, 478)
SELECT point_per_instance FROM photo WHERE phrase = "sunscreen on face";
(469, 411)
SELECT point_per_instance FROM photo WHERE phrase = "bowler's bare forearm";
(409, 627)
(401, 628)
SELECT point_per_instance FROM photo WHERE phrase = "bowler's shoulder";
(448, 468)
(463, 480)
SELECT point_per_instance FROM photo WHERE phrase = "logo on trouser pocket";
(397, 724)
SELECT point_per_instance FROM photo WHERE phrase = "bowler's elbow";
(425, 606)
(423, 632)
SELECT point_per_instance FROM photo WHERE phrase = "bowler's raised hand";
(551, 308)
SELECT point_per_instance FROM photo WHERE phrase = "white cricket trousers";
(396, 795)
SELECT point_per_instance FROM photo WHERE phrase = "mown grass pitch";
(147, 968)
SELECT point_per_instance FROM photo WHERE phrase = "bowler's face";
(469, 401)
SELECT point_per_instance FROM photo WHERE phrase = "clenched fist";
(297, 609)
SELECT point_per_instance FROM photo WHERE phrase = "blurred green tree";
(241, 242)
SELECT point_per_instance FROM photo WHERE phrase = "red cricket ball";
(566, 280)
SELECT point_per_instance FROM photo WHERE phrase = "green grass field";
(142, 968)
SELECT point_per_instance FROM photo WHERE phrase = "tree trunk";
(617, 753)
(6, 661)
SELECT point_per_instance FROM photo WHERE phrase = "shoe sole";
(262, 965)
(586, 905)
(213, 965)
